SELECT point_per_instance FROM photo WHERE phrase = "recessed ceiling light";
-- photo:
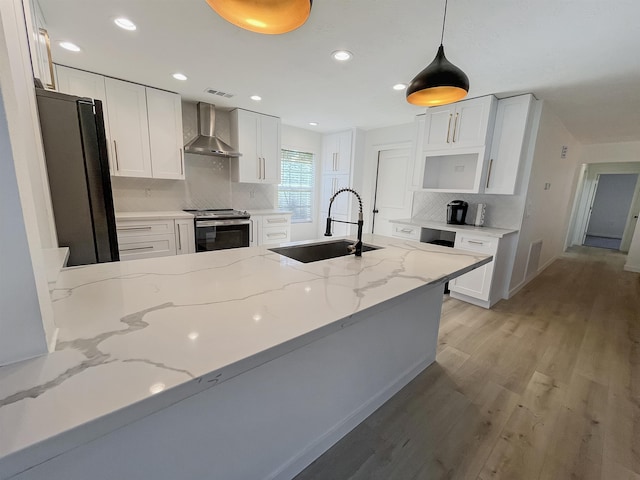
(313, 124)
(179, 76)
(256, 98)
(72, 47)
(125, 23)
(342, 55)
(399, 86)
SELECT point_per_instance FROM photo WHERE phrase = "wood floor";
(543, 386)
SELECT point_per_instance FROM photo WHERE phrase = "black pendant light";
(264, 16)
(441, 82)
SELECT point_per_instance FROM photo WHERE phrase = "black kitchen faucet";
(357, 247)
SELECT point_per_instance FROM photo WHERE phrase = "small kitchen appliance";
(457, 212)
(219, 229)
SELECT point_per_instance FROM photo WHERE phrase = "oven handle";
(220, 223)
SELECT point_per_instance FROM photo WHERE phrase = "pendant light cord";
(444, 18)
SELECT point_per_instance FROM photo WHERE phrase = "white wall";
(610, 152)
(633, 257)
(26, 313)
(611, 205)
(302, 140)
(547, 212)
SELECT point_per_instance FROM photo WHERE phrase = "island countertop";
(138, 336)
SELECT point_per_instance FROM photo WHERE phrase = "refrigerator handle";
(115, 150)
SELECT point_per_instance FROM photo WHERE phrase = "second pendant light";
(441, 82)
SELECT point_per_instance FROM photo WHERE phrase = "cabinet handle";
(278, 235)
(115, 150)
(276, 220)
(449, 127)
(251, 230)
(259, 172)
(135, 249)
(264, 168)
(475, 242)
(181, 162)
(149, 227)
(407, 230)
(179, 238)
(455, 128)
(489, 173)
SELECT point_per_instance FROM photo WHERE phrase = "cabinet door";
(254, 231)
(336, 153)
(343, 160)
(417, 167)
(129, 129)
(244, 137)
(471, 122)
(439, 127)
(165, 134)
(85, 84)
(147, 246)
(270, 149)
(476, 283)
(185, 237)
(507, 146)
(330, 185)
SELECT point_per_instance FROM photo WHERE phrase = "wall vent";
(218, 93)
(533, 262)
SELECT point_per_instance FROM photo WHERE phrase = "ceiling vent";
(218, 93)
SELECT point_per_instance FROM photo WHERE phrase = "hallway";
(545, 385)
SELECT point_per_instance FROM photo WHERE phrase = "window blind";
(295, 192)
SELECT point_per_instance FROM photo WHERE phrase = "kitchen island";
(230, 364)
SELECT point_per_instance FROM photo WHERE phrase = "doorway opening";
(607, 206)
(609, 210)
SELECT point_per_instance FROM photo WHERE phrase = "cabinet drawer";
(476, 243)
(272, 235)
(147, 246)
(406, 231)
(274, 220)
(129, 228)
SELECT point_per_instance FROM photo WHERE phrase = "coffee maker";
(457, 212)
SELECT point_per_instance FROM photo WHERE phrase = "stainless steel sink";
(314, 252)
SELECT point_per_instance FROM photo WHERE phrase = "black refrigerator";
(75, 149)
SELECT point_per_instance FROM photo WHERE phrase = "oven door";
(221, 234)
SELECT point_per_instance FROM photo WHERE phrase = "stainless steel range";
(218, 229)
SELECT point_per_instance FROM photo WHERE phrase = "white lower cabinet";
(148, 238)
(408, 232)
(477, 283)
(270, 229)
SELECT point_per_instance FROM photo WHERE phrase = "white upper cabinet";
(509, 146)
(336, 153)
(129, 127)
(462, 124)
(165, 134)
(91, 85)
(257, 138)
(143, 125)
(417, 175)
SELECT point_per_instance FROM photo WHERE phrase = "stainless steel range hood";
(207, 143)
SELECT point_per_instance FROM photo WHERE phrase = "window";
(295, 192)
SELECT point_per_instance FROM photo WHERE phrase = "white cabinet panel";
(148, 246)
(129, 128)
(185, 236)
(477, 283)
(270, 229)
(508, 145)
(336, 153)
(408, 232)
(463, 124)
(330, 185)
(257, 137)
(165, 134)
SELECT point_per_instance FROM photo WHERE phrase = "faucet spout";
(357, 247)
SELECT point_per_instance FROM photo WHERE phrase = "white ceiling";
(581, 56)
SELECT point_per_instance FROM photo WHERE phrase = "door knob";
(376, 211)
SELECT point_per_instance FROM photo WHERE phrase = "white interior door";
(593, 187)
(392, 195)
(632, 220)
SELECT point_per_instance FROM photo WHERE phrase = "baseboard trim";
(632, 268)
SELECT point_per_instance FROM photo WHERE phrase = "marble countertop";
(138, 336)
(152, 215)
(488, 231)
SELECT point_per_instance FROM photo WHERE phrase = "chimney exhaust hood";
(207, 143)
